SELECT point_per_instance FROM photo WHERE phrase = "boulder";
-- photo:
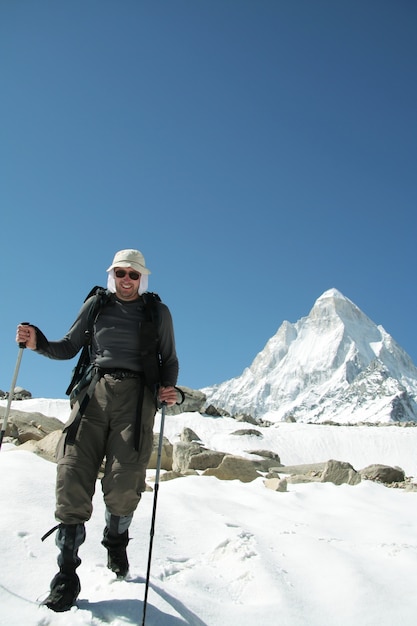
(250, 432)
(213, 411)
(23, 426)
(339, 472)
(21, 394)
(188, 435)
(268, 458)
(383, 473)
(166, 453)
(234, 468)
(206, 459)
(336, 472)
(276, 484)
(243, 417)
(46, 447)
(181, 454)
(172, 475)
(307, 469)
(297, 479)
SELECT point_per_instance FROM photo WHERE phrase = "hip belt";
(119, 374)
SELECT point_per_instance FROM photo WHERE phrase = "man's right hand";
(26, 334)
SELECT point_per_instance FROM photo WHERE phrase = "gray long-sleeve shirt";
(116, 338)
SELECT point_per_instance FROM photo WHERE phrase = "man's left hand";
(168, 395)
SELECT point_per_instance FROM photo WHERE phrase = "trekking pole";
(155, 498)
(22, 346)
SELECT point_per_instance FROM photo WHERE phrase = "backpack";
(149, 340)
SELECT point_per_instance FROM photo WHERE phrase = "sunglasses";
(122, 274)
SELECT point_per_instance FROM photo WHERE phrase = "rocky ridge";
(189, 456)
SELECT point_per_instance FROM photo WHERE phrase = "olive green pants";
(106, 431)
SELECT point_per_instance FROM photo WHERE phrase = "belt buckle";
(124, 374)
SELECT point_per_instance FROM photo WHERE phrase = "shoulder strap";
(150, 299)
(149, 339)
(102, 297)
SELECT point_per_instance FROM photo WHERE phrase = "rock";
(269, 458)
(24, 426)
(314, 469)
(267, 454)
(383, 473)
(276, 484)
(18, 394)
(188, 436)
(297, 479)
(192, 455)
(339, 472)
(289, 419)
(251, 432)
(234, 468)
(166, 453)
(181, 454)
(170, 476)
(272, 475)
(45, 448)
(206, 459)
(213, 411)
(243, 417)
(336, 472)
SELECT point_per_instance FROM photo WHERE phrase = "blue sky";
(257, 152)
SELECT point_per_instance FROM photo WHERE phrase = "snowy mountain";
(333, 365)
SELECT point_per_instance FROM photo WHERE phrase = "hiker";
(112, 417)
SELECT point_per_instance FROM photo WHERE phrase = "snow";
(227, 552)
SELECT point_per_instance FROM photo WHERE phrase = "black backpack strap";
(149, 340)
(151, 308)
(102, 296)
(80, 407)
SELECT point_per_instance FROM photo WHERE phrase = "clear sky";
(257, 152)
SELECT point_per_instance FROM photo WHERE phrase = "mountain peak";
(325, 367)
(331, 293)
(332, 305)
(334, 298)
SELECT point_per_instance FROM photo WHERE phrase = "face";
(127, 283)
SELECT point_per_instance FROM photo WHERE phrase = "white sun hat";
(129, 258)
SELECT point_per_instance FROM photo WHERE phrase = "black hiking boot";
(116, 546)
(65, 585)
(65, 589)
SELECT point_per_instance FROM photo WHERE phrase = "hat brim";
(135, 266)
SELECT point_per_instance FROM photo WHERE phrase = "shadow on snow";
(132, 610)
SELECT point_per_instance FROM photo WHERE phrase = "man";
(111, 419)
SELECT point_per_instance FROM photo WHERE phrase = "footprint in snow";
(175, 565)
(24, 536)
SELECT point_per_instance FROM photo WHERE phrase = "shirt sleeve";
(167, 350)
(71, 343)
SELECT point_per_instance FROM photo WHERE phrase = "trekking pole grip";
(21, 344)
(12, 388)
